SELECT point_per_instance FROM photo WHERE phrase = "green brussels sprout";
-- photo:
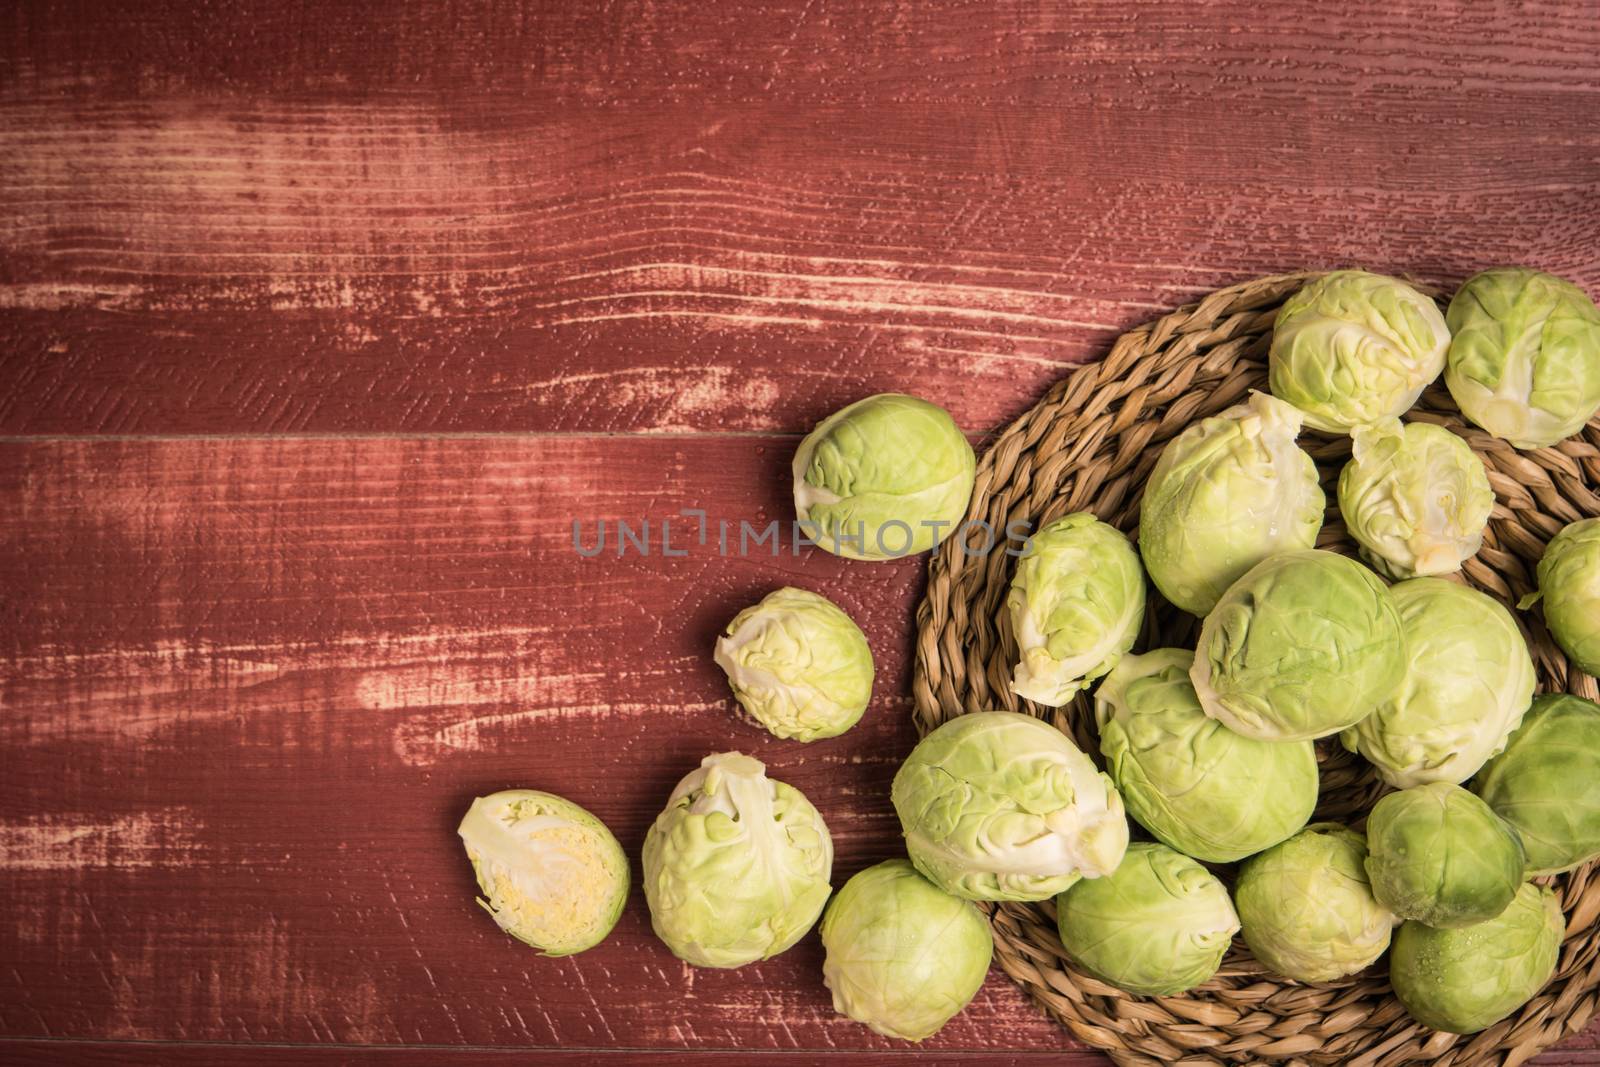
(1351, 348)
(1569, 585)
(1227, 492)
(552, 875)
(1439, 855)
(1001, 806)
(798, 665)
(1304, 645)
(1076, 603)
(885, 477)
(1525, 360)
(1469, 679)
(1416, 498)
(1307, 908)
(736, 868)
(1192, 782)
(1157, 925)
(1467, 979)
(1546, 783)
(903, 956)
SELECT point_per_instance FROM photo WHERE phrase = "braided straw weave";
(1089, 445)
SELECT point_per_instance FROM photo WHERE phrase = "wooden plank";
(248, 687)
(992, 51)
(119, 1054)
(621, 238)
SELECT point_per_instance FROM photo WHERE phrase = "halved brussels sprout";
(1469, 679)
(1351, 348)
(1227, 492)
(1525, 359)
(1441, 856)
(1416, 498)
(1304, 645)
(903, 956)
(736, 868)
(1546, 783)
(1000, 806)
(1192, 782)
(883, 478)
(552, 875)
(1465, 980)
(1157, 925)
(1307, 908)
(1076, 603)
(1569, 584)
(798, 665)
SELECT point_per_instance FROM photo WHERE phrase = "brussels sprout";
(1351, 348)
(1227, 493)
(1468, 681)
(1076, 604)
(1468, 979)
(1157, 925)
(1441, 856)
(736, 868)
(551, 873)
(1416, 498)
(1000, 806)
(798, 665)
(1525, 360)
(1307, 909)
(1192, 782)
(1304, 645)
(1546, 783)
(1569, 584)
(903, 956)
(883, 478)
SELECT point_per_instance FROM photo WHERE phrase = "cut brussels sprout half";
(551, 874)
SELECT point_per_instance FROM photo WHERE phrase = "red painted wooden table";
(320, 324)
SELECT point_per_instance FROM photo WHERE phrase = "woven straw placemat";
(1088, 446)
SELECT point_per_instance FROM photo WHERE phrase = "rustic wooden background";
(320, 323)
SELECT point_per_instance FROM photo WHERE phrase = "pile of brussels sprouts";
(1211, 749)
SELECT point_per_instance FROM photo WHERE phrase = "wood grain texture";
(250, 686)
(121, 1054)
(660, 217)
(247, 687)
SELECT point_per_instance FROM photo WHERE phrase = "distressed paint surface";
(656, 217)
(250, 685)
(545, 261)
(86, 1054)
